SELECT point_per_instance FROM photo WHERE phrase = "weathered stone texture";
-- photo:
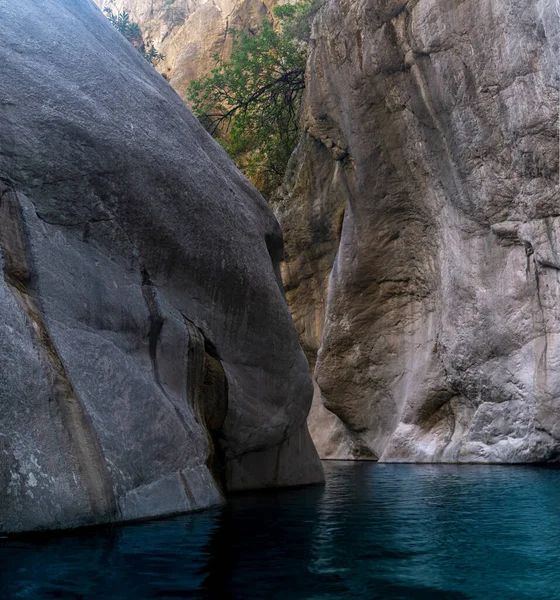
(189, 33)
(147, 354)
(442, 332)
(310, 209)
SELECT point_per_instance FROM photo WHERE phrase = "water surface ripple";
(375, 531)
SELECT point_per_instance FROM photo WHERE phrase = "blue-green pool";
(375, 531)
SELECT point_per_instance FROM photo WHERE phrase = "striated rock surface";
(310, 209)
(148, 358)
(439, 127)
(189, 33)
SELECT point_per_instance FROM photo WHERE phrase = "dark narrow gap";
(208, 394)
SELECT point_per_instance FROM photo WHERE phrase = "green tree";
(251, 102)
(132, 32)
(151, 54)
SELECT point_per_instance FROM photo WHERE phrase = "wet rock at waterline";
(148, 357)
(439, 123)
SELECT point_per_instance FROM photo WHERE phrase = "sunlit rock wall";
(190, 33)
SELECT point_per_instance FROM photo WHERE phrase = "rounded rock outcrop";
(149, 360)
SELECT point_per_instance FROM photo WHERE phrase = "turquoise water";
(374, 531)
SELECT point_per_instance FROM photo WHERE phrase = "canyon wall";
(429, 169)
(189, 33)
(149, 361)
(310, 209)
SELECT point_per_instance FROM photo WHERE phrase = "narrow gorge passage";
(241, 236)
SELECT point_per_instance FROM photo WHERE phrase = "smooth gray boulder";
(148, 359)
(441, 339)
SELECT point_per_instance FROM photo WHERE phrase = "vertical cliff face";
(310, 208)
(148, 359)
(435, 125)
(190, 32)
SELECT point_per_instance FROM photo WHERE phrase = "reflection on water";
(375, 531)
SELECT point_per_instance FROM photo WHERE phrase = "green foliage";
(150, 53)
(251, 103)
(132, 32)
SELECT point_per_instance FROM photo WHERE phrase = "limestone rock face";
(439, 127)
(310, 209)
(148, 358)
(189, 33)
